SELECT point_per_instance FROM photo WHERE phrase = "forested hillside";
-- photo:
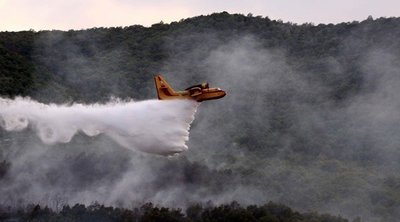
(149, 213)
(310, 120)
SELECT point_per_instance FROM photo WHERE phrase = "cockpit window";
(204, 85)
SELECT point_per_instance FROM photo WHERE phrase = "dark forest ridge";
(148, 213)
(249, 15)
(23, 54)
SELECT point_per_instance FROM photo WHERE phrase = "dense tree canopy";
(233, 212)
(302, 118)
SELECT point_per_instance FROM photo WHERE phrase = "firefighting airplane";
(199, 92)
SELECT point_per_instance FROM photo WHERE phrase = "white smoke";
(152, 126)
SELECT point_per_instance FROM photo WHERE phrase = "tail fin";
(163, 89)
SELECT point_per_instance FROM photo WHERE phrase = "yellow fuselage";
(198, 93)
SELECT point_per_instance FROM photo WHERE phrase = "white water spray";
(152, 126)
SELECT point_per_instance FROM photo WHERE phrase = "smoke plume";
(317, 134)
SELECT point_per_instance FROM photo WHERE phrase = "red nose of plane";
(223, 93)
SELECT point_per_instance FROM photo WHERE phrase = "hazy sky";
(18, 15)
